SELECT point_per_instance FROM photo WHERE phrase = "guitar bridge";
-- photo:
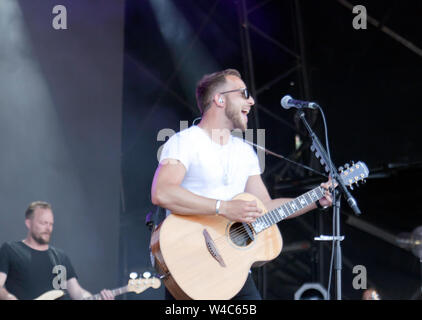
(212, 249)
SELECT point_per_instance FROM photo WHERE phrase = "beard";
(40, 239)
(236, 117)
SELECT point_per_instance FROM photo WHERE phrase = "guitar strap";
(153, 219)
(52, 253)
(54, 256)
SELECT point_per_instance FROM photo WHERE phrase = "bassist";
(26, 267)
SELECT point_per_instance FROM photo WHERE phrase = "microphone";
(288, 102)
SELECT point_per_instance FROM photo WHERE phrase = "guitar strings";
(240, 232)
(237, 234)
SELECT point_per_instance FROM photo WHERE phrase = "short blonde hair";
(33, 206)
(207, 85)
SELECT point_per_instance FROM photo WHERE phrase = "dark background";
(84, 112)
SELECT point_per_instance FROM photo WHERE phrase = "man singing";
(203, 167)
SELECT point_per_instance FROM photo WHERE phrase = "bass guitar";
(134, 285)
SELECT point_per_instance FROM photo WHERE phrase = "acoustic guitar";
(208, 257)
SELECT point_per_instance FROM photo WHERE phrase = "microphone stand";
(329, 167)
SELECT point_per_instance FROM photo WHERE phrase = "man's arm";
(4, 294)
(168, 193)
(76, 292)
(256, 186)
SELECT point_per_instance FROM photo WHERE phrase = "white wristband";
(217, 207)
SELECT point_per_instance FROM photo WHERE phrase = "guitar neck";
(276, 215)
(115, 292)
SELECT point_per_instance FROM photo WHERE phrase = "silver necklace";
(226, 177)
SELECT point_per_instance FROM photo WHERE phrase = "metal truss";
(300, 66)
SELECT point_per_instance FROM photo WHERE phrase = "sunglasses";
(244, 91)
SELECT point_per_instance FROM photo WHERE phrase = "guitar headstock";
(353, 173)
(139, 285)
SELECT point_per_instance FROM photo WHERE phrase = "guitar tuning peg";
(363, 181)
(146, 275)
(340, 169)
(347, 166)
(353, 163)
(133, 275)
(351, 187)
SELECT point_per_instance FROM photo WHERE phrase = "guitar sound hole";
(241, 234)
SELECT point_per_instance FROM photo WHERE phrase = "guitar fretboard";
(115, 292)
(276, 215)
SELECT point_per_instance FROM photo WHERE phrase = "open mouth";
(245, 114)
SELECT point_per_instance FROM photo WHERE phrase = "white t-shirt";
(212, 170)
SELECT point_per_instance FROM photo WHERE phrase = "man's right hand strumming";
(240, 210)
